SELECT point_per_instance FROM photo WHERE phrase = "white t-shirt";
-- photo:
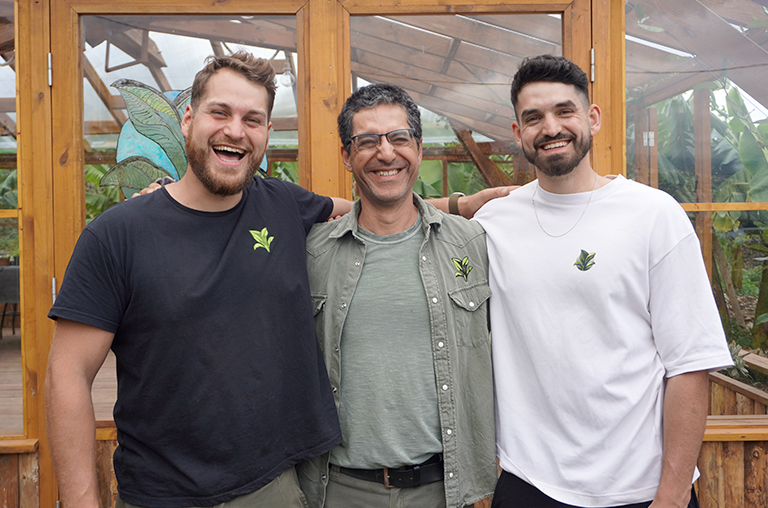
(585, 329)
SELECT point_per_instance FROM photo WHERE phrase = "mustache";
(549, 139)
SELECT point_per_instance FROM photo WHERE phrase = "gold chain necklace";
(577, 221)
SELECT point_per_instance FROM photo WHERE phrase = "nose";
(385, 152)
(234, 128)
(550, 126)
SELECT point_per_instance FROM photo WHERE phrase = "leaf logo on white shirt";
(584, 261)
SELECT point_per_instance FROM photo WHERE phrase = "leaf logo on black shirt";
(262, 239)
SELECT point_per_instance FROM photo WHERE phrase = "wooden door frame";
(51, 186)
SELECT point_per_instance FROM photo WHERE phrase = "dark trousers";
(512, 492)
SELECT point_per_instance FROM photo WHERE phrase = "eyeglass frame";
(410, 131)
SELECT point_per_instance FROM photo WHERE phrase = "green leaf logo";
(262, 239)
(462, 267)
(584, 261)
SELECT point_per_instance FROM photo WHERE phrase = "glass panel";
(458, 69)
(740, 278)
(11, 391)
(678, 80)
(165, 53)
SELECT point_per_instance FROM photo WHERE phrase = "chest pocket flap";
(471, 297)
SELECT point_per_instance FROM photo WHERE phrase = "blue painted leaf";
(155, 117)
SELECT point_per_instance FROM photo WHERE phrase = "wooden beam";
(102, 91)
(14, 446)
(702, 129)
(492, 174)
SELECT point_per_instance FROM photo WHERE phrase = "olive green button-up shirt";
(453, 264)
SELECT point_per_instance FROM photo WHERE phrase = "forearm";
(685, 418)
(72, 436)
(469, 205)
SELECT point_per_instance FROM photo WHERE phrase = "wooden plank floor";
(11, 405)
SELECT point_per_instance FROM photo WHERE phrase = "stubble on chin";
(197, 159)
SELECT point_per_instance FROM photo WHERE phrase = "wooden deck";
(11, 405)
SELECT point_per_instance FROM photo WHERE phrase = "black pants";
(512, 492)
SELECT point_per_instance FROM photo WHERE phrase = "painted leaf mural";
(156, 117)
(135, 172)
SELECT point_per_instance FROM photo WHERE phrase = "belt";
(406, 476)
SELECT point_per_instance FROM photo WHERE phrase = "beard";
(197, 158)
(561, 164)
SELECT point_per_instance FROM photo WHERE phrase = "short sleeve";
(684, 317)
(313, 208)
(92, 287)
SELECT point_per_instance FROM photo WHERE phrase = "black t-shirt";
(221, 382)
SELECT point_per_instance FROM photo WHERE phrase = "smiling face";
(554, 127)
(384, 176)
(227, 134)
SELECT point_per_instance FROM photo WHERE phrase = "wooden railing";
(19, 478)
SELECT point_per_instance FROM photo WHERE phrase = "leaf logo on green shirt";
(462, 267)
(262, 239)
(584, 261)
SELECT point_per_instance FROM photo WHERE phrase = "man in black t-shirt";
(221, 383)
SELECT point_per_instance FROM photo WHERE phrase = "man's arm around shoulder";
(685, 418)
(77, 353)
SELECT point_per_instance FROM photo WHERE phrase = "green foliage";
(288, 171)
(739, 368)
(97, 198)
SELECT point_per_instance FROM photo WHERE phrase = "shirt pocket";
(470, 312)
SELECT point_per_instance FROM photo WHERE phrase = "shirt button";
(471, 304)
(434, 300)
(423, 258)
(343, 305)
(357, 263)
(440, 344)
(450, 475)
(448, 431)
(323, 477)
(336, 349)
(445, 387)
(335, 390)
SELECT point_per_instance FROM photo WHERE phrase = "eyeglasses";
(368, 142)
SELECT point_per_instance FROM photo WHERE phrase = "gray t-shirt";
(388, 397)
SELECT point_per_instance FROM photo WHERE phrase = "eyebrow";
(224, 105)
(565, 104)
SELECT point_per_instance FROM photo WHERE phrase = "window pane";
(458, 69)
(696, 106)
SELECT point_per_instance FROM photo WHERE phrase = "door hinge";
(53, 290)
(592, 65)
(50, 71)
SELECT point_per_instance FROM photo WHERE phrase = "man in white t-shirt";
(604, 325)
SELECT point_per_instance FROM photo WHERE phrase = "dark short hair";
(555, 69)
(369, 97)
(255, 70)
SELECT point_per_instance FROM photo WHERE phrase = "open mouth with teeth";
(554, 145)
(229, 153)
(387, 172)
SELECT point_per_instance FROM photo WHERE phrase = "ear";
(185, 120)
(516, 132)
(345, 159)
(595, 118)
